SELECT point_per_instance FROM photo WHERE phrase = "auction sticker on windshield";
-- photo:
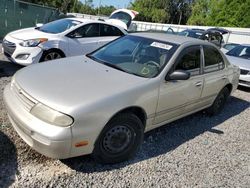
(161, 45)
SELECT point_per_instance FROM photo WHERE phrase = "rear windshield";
(123, 16)
(58, 26)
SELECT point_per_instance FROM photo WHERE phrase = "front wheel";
(119, 140)
(219, 102)
(51, 55)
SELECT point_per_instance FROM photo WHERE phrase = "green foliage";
(163, 11)
(75, 6)
(227, 13)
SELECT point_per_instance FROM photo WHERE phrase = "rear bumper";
(49, 140)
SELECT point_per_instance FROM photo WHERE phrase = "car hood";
(69, 83)
(29, 33)
(240, 62)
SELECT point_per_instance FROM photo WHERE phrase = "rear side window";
(108, 30)
(190, 60)
(213, 59)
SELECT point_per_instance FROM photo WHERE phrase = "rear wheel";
(119, 140)
(51, 55)
(219, 102)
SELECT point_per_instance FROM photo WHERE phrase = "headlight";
(33, 42)
(49, 115)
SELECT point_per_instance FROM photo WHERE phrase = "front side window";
(213, 59)
(136, 55)
(190, 60)
(89, 30)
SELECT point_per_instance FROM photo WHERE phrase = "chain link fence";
(15, 14)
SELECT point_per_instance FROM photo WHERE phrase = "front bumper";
(12, 50)
(49, 140)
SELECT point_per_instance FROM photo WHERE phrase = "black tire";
(119, 140)
(219, 102)
(51, 55)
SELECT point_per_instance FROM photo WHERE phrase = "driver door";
(179, 97)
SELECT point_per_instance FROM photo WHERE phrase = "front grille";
(9, 47)
(27, 101)
(244, 72)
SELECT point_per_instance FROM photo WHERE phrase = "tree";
(105, 10)
(152, 10)
(163, 11)
(224, 13)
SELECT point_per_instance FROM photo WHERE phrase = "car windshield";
(192, 33)
(58, 26)
(136, 55)
(230, 46)
(240, 51)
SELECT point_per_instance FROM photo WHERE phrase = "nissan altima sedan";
(102, 103)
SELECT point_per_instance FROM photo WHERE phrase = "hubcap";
(52, 55)
(117, 139)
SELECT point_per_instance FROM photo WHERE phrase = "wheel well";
(57, 50)
(229, 87)
(139, 112)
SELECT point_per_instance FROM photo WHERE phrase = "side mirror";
(178, 75)
(71, 35)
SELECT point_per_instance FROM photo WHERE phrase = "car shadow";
(166, 138)
(8, 161)
(7, 68)
(246, 89)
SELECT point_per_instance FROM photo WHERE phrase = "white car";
(240, 56)
(64, 38)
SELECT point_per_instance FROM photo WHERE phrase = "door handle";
(198, 84)
(223, 77)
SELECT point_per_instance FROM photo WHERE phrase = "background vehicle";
(228, 46)
(63, 38)
(115, 94)
(240, 56)
(194, 33)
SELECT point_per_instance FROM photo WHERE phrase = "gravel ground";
(196, 151)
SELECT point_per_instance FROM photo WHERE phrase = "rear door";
(178, 97)
(214, 74)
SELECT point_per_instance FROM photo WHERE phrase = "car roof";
(177, 39)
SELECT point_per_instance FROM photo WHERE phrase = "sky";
(115, 3)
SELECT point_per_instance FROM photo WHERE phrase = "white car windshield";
(136, 55)
(58, 26)
(240, 51)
